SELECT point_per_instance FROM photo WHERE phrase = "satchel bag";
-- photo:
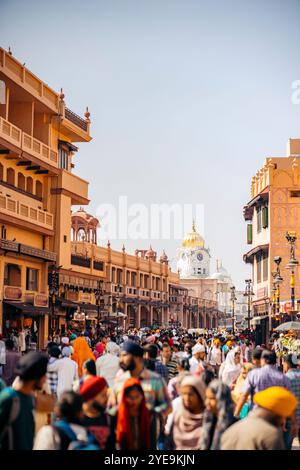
(45, 402)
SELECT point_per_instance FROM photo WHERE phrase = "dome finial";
(193, 226)
(217, 265)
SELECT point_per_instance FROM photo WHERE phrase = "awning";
(248, 257)
(256, 320)
(28, 309)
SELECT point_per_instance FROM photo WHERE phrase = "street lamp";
(53, 282)
(277, 281)
(99, 295)
(291, 266)
(249, 293)
(233, 299)
(118, 288)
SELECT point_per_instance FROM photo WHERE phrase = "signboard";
(29, 298)
(12, 293)
(41, 300)
(73, 296)
(85, 298)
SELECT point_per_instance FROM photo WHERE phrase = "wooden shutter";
(249, 234)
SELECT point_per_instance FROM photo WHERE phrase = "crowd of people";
(149, 389)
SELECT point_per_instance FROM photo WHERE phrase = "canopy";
(290, 325)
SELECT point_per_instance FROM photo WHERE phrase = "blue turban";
(132, 348)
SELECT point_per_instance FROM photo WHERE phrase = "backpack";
(69, 440)
(13, 415)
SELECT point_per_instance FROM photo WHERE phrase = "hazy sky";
(187, 98)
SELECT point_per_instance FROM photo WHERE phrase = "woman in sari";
(82, 352)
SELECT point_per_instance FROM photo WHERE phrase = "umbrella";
(290, 325)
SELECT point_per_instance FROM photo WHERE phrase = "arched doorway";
(156, 321)
(131, 314)
(145, 317)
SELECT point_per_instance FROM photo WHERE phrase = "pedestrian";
(107, 365)
(89, 370)
(67, 432)
(262, 428)
(232, 367)
(185, 428)
(291, 370)
(183, 366)
(52, 376)
(12, 359)
(82, 352)
(256, 357)
(152, 363)
(98, 351)
(246, 368)
(218, 415)
(67, 372)
(261, 378)
(133, 418)
(94, 392)
(17, 426)
(2, 354)
(197, 360)
(166, 359)
(215, 356)
(154, 387)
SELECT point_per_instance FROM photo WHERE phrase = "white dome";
(221, 275)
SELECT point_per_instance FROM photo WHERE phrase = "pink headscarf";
(98, 350)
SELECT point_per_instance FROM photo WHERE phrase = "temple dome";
(193, 239)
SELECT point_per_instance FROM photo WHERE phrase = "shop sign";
(73, 296)
(12, 293)
(79, 316)
(41, 300)
(29, 298)
(85, 297)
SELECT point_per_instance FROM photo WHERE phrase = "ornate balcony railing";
(77, 120)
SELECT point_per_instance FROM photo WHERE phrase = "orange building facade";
(274, 209)
(53, 275)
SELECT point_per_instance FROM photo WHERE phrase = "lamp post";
(291, 266)
(249, 293)
(277, 281)
(233, 299)
(118, 289)
(53, 282)
(99, 295)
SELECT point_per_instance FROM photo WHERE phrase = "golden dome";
(193, 239)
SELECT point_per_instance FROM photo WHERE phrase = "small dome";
(82, 214)
(150, 254)
(163, 258)
(221, 275)
(193, 239)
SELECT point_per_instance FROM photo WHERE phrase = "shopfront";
(27, 323)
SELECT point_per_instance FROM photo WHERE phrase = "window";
(29, 185)
(10, 178)
(12, 275)
(63, 158)
(249, 234)
(39, 189)
(259, 219)
(32, 279)
(265, 218)
(265, 267)
(133, 279)
(203, 270)
(258, 264)
(199, 271)
(1, 171)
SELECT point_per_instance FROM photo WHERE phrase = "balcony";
(11, 133)
(74, 186)
(39, 150)
(75, 119)
(25, 210)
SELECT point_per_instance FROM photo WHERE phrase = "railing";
(26, 212)
(10, 132)
(80, 261)
(77, 120)
(39, 149)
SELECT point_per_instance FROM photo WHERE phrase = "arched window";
(11, 176)
(29, 185)
(21, 181)
(39, 189)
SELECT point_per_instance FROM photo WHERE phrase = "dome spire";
(193, 226)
